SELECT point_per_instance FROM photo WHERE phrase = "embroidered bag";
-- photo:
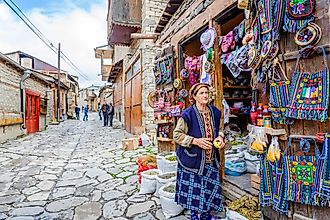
(279, 93)
(298, 14)
(309, 95)
(322, 185)
(301, 173)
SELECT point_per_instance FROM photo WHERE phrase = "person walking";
(86, 113)
(198, 186)
(105, 110)
(99, 110)
(111, 113)
(77, 111)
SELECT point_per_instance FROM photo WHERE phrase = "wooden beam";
(144, 36)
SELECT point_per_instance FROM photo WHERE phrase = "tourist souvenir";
(310, 35)
(279, 93)
(207, 38)
(183, 93)
(254, 58)
(243, 4)
(227, 42)
(266, 48)
(309, 96)
(264, 11)
(177, 83)
(152, 99)
(184, 74)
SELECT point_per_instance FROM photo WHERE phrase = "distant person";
(105, 110)
(111, 113)
(77, 111)
(86, 113)
(99, 110)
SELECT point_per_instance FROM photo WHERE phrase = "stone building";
(131, 49)
(24, 95)
(68, 86)
(89, 96)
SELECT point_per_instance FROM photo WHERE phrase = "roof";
(7, 59)
(120, 33)
(115, 70)
(170, 9)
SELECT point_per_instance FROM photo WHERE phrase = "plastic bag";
(146, 163)
(169, 206)
(145, 140)
(164, 178)
(258, 140)
(148, 181)
(274, 152)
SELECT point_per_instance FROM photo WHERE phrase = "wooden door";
(136, 113)
(128, 105)
(32, 112)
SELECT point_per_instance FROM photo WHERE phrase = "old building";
(68, 87)
(24, 99)
(131, 48)
(89, 96)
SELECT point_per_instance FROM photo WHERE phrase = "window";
(129, 74)
(137, 66)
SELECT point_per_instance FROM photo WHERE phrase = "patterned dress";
(201, 193)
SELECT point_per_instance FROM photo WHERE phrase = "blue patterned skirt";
(199, 193)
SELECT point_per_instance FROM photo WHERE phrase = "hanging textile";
(322, 185)
(301, 173)
(309, 96)
(298, 13)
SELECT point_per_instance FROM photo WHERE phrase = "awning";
(171, 7)
(115, 70)
(120, 33)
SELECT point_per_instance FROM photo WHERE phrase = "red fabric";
(143, 168)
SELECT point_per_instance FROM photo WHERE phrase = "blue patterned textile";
(200, 193)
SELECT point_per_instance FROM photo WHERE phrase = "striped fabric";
(199, 193)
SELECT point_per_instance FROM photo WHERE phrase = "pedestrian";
(111, 113)
(77, 111)
(198, 186)
(99, 110)
(105, 110)
(86, 113)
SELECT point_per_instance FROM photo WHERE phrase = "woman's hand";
(219, 142)
(204, 143)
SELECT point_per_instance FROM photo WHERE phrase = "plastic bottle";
(267, 117)
(260, 118)
(253, 114)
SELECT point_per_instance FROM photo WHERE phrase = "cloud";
(78, 29)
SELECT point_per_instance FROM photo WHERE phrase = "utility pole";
(59, 80)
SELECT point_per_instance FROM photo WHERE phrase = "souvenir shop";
(267, 64)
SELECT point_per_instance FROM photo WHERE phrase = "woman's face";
(202, 96)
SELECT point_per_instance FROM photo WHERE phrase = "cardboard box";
(130, 143)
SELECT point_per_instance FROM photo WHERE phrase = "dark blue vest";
(193, 158)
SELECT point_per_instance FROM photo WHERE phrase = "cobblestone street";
(74, 170)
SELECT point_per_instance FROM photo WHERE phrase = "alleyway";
(75, 170)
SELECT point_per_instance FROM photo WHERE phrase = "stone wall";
(151, 13)
(10, 106)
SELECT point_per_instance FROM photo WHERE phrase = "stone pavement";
(74, 170)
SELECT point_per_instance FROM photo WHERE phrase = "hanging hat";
(183, 93)
(184, 74)
(177, 84)
(310, 35)
(207, 38)
(152, 99)
(208, 66)
(254, 58)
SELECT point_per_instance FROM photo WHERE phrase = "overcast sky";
(79, 25)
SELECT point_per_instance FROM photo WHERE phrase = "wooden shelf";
(164, 139)
(164, 122)
(238, 98)
(237, 87)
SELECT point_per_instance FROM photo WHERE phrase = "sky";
(79, 25)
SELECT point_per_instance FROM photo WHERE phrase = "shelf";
(237, 87)
(164, 122)
(270, 131)
(164, 139)
(238, 98)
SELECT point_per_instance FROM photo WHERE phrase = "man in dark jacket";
(111, 113)
(105, 110)
(77, 110)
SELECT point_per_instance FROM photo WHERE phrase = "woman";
(198, 182)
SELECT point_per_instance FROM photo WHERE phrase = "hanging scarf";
(309, 96)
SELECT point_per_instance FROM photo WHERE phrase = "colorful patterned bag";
(301, 173)
(322, 185)
(279, 93)
(309, 95)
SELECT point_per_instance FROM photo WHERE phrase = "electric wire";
(43, 38)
